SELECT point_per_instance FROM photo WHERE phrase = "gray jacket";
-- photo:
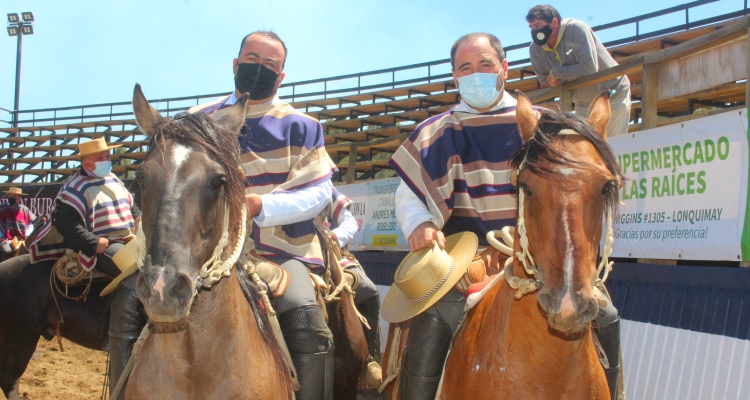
(579, 53)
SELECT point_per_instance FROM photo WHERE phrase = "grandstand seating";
(366, 125)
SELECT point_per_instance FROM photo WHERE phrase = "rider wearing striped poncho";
(456, 177)
(288, 184)
(95, 216)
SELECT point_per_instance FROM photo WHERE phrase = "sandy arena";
(76, 373)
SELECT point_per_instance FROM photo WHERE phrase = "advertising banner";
(685, 191)
(375, 211)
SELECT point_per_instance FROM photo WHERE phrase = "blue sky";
(87, 51)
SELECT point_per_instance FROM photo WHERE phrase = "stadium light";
(19, 28)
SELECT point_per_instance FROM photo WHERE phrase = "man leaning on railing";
(566, 49)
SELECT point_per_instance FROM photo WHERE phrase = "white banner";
(375, 210)
(685, 191)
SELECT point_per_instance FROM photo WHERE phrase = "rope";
(343, 286)
(394, 362)
(214, 268)
(60, 272)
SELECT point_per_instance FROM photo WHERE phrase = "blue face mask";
(479, 89)
(103, 168)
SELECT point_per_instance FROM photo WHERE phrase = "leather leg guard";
(609, 338)
(426, 349)
(310, 345)
(126, 321)
(370, 309)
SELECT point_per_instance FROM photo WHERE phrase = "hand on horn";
(425, 235)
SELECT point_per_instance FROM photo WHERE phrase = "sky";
(93, 51)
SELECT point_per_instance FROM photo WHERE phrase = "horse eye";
(608, 187)
(219, 182)
(526, 190)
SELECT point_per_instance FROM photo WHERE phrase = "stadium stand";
(365, 124)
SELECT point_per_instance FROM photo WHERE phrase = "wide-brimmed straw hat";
(128, 259)
(15, 190)
(94, 146)
(426, 275)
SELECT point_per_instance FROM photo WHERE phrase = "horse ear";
(146, 115)
(526, 117)
(234, 120)
(599, 114)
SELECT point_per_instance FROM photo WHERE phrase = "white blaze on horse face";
(566, 171)
(180, 155)
(567, 307)
(159, 286)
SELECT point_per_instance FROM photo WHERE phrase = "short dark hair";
(271, 35)
(494, 42)
(545, 12)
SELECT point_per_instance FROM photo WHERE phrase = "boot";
(609, 338)
(426, 349)
(126, 320)
(310, 344)
(370, 309)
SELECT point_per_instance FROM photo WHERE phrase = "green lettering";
(633, 190)
(680, 191)
(655, 187)
(625, 163)
(676, 162)
(656, 159)
(685, 158)
(644, 161)
(634, 157)
(698, 154)
(723, 154)
(665, 186)
(701, 182)
(643, 193)
(667, 154)
(690, 182)
(710, 150)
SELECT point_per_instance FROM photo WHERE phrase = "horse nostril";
(545, 300)
(183, 288)
(588, 310)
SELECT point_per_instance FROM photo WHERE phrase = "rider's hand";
(137, 225)
(254, 205)
(103, 244)
(425, 235)
(551, 81)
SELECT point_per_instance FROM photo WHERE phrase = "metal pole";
(18, 82)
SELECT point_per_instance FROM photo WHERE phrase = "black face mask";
(12, 201)
(256, 79)
(541, 36)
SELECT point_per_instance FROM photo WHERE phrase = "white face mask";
(102, 168)
(479, 89)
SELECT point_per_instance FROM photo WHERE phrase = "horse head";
(567, 179)
(191, 186)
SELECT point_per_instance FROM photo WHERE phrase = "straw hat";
(128, 259)
(426, 275)
(94, 146)
(15, 190)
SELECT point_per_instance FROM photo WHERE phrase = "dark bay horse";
(540, 346)
(210, 337)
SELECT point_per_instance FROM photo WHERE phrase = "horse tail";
(253, 297)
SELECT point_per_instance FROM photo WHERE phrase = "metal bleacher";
(364, 124)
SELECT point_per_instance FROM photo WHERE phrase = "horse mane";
(253, 297)
(218, 141)
(538, 155)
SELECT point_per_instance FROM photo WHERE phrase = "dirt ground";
(76, 373)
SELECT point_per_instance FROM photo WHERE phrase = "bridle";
(525, 286)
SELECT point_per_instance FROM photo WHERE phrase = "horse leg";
(14, 358)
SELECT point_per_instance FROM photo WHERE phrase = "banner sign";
(685, 191)
(374, 208)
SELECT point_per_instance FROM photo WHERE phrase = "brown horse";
(210, 337)
(540, 346)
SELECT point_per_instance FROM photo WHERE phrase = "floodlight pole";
(18, 80)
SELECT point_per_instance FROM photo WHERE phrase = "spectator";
(16, 221)
(564, 50)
